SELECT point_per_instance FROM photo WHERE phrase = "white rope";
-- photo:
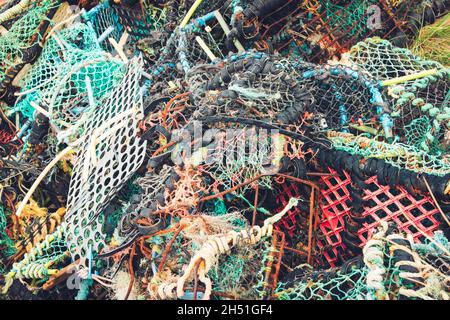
(14, 11)
(374, 260)
(213, 248)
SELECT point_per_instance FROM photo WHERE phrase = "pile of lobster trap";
(222, 149)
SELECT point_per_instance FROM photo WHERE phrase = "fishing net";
(21, 44)
(106, 24)
(423, 113)
(344, 98)
(232, 165)
(237, 275)
(153, 186)
(5, 136)
(294, 223)
(432, 251)
(390, 269)
(223, 150)
(72, 75)
(338, 27)
(260, 84)
(41, 262)
(182, 246)
(419, 110)
(6, 243)
(186, 191)
(416, 215)
(385, 61)
(35, 224)
(399, 155)
(205, 37)
(321, 30)
(141, 23)
(325, 285)
(311, 97)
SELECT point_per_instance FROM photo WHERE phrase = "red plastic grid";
(5, 136)
(420, 211)
(334, 207)
(396, 205)
(291, 221)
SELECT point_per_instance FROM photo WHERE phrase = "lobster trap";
(240, 149)
(419, 105)
(342, 230)
(321, 30)
(415, 215)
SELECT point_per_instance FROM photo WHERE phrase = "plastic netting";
(111, 21)
(422, 113)
(331, 285)
(106, 23)
(41, 262)
(142, 22)
(21, 43)
(321, 30)
(208, 159)
(419, 112)
(344, 97)
(6, 244)
(400, 155)
(239, 166)
(384, 61)
(188, 239)
(338, 26)
(237, 274)
(71, 76)
(109, 155)
(391, 268)
(415, 215)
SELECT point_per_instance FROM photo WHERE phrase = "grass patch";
(433, 41)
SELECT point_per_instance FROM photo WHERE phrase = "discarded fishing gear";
(240, 149)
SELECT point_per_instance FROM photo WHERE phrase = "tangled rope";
(210, 251)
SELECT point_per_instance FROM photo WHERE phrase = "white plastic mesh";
(108, 156)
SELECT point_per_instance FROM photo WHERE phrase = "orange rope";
(310, 226)
(167, 249)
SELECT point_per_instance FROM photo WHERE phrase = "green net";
(6, 244)
(350, 20)
(417, 133)
(392, 268)
(342, 96)
(413, 102)
(237, 274)
(111, 21)
(21, 41)
(435, 246)
(219, 207)
(433, 253)
(398, 154)
(37, 265)
(105, 22)
(140, 23)
(72, 75)
(240, 166)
